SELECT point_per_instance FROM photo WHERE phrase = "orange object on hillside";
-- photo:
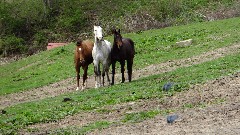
(54, 45)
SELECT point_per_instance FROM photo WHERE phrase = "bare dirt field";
(216, 118)
(219, 114)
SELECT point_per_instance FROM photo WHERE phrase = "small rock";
(171, 118)
(67, 99)
(184, 43)
(167, 86)
(4, 112)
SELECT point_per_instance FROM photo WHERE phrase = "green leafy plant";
(12, 45)
(140, 116)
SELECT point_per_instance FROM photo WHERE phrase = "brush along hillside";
(213, 55)
(27, 26)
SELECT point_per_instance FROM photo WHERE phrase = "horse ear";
(118, 30)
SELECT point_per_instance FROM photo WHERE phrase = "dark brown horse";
(123, 49)
(82, 58)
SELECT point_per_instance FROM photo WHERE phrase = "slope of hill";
(51, 66)
(214, 54)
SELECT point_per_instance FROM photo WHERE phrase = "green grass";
(52, 109)
(37, 70)
(82, 131)
(51, 66)
(152, 47)
(140, 116)
(161, 46)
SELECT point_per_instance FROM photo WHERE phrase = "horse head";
(117, 38)
(80, 51)
(98, 33)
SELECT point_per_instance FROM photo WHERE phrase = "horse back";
(87, 47)
(129, 46)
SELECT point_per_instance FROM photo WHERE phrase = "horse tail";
(133, 48)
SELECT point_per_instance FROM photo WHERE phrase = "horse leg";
(96, 69)
(77, 67)
(122, 70)
(95, 80)
(107, 71)
(129, 68)
(113, 71)
(103, 75)
(78, 77)
(108, 79)
(96, 76)
(99, 75)
(85, 68)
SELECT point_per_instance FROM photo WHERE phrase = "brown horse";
(82, 58)
(123, 49)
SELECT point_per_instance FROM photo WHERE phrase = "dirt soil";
(219, 114)
(69, 85)
(218, 117)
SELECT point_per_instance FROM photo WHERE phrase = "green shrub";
(73, 22)
(67, 20)
(12, 45)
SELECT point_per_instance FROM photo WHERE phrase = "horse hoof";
(77, 89)
(83, 87)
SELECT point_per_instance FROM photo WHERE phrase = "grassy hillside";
(27, 26)
(52, 109)
(152, 47)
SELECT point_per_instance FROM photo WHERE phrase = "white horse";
(101, 54)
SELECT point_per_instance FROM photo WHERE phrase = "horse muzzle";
(82, 61)
(100, 38)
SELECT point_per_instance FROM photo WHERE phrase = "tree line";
(26, 26)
